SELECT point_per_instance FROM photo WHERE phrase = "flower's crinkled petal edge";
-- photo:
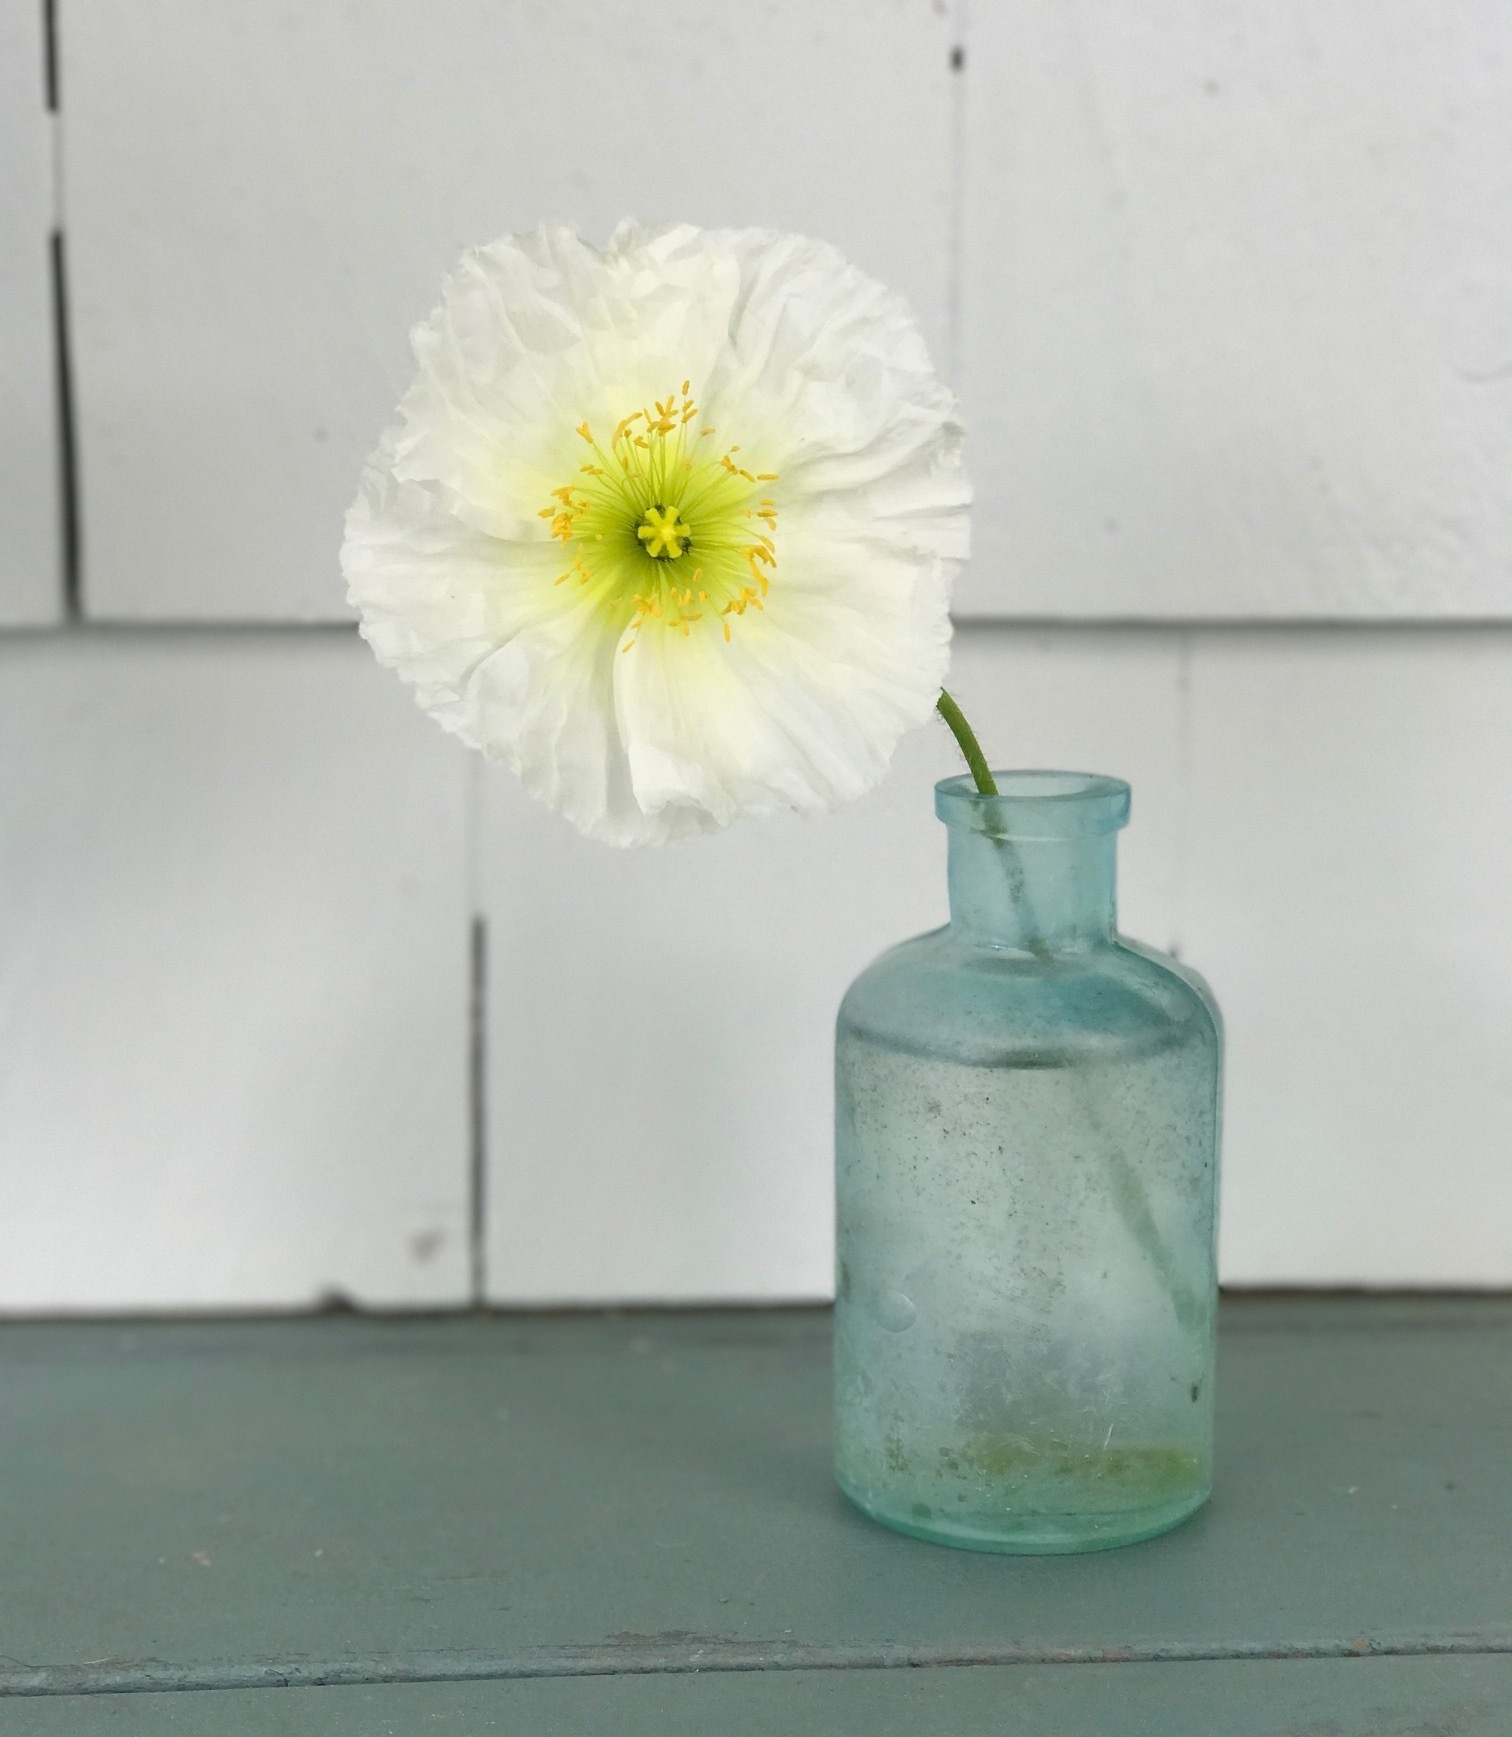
(544, 705)
(804, 706)
(495, 651)
(834, 359)
(537, 333)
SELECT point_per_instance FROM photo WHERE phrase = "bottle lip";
(1033, 804)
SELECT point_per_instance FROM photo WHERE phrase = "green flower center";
(663, 532)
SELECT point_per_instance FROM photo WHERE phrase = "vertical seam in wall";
(956, 227)
(1183, 788)
(477, 1094)
(477, 1037)
(68, 458)
(50, 53)
(69, 508)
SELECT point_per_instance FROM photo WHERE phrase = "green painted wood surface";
(1462, 1697)
(361, 1501)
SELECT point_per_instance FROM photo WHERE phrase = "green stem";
(1130, 1197)
(966, 738)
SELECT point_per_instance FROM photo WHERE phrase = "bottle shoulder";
(936, 994)
(1180, 972)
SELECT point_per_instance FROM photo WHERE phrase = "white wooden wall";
(297, 1001)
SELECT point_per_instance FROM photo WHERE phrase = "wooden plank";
(661, 1023)
(247, 267)
(1467, 1697)
(320, 1500)
(31, 581)
(233, 988)
(1346, 891)
(1235, 329)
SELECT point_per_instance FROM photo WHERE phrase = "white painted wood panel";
(1237, 308)
(1348, 895)
(263, 199)
(661, 1023)
(31, 589)
(233, 978)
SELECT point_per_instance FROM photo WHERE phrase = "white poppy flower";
(668, 528)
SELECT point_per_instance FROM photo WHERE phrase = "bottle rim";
(1036, 804)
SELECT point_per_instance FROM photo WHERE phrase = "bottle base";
(1043, 1534)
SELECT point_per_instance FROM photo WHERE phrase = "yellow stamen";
(644, 502)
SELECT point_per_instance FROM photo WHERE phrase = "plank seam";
(956, 230)
(692, 1657)
(106, 626)
(50, 60)
(477, 1111)
(68, 450)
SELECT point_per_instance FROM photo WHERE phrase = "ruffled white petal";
(535, 334)
(797, 354)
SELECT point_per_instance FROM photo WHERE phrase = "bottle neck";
(1033, 895)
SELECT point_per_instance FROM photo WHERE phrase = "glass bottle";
(1027, 1109)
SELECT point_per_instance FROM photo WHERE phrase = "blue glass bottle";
(1027, 1110)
